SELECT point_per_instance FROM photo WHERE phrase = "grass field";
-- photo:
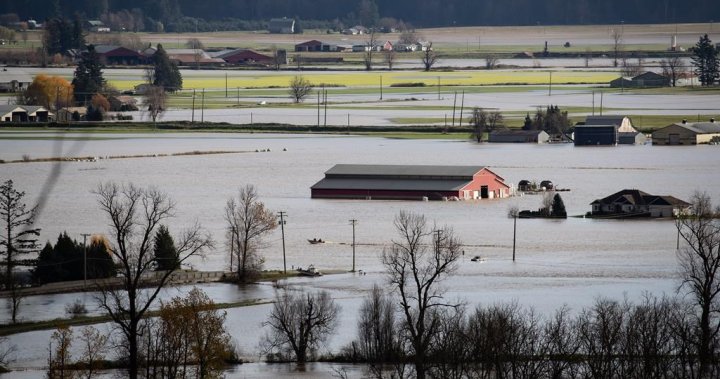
(239, 79)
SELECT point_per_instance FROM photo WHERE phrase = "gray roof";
(391, 185)
(34, 108)
(604, 120)
(6, 108)
(701, 127)
(102, 49)
(403, 171)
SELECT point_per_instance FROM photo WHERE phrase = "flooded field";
(558, 261)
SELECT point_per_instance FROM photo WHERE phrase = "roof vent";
(684, 121)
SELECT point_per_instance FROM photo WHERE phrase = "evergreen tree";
(528, 124)
(165, 73)
(88, 79)
(99, 260)
(705, 60)
(558, 206)
(18, 236)
(45, 265)
(166, 255)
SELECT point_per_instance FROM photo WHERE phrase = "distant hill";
(228, 14)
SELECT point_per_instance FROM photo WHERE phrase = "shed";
(596, 135)
(352, 181)
(282, 25)
(687, 133)
(69, 114)
(621, 82)
(518, 136)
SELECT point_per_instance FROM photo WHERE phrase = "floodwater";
(558, 261)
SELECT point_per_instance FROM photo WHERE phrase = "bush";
(76, 309)
(414, 84)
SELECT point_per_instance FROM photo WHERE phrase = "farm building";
(243, 56)
(647, 79)
(519, 136)
(312, 45)
(687, 133)
(110, 54)
(632, 202)
(12, 80)
(396, 182)
(596, 135)
(627, 134)
(24, 113)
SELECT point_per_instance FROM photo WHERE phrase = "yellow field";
(372, 79)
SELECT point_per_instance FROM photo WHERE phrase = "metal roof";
(701, 127)
(604, 120)
(404, 170)
(391, 185)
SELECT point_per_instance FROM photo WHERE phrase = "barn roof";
(391, 185)
(403, 170)
(604, 120)
(637, 197)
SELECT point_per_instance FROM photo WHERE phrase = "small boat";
(315, 241)
(310, 271)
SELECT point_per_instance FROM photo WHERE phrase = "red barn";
(349, 181)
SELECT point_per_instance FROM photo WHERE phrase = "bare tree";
(299, 88)
(415, 271)
(429, 57)
(299, 324)
(135, 214)
(5, 353)
(18, 235)
(409, 37)
(16, 297)
(699, 259)
(94, 347)
(617, 38)
(60, 357)
(279, 57)
(378, 340)
(390, 56)
(491, 62)
(370, 46)
(479, 122)
(195, 44)
(672, 68)
(155, 99)
(248, 221)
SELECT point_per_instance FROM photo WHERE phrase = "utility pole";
(380, 87)
(550, 86)
(318, 110)
(85, 236)
(353, 222)
(462, 107)
(454, 104)
(593, 103)
(325, 101)
(226, 91)
(192, 119)
(202, 107)
(438, 88)
(282, 215)
(514, 233)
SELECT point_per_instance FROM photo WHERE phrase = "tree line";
(423, 13)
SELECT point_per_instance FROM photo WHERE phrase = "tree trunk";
(132, 351)
(705, 350)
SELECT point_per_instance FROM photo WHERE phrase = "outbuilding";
(410, 182)
(687, 133)
(596, 135)
(627, 134)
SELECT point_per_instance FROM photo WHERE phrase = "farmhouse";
(12, 80)
(687, 133)
(396, 182)
(519, 136)
(635, 203)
